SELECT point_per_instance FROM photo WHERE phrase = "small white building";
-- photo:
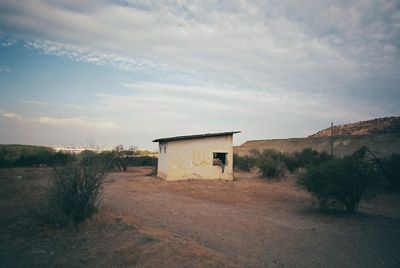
(205, 156)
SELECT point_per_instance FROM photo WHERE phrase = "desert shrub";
(88, 157)
(290, 162)
(104, 159)
(74, 193)
(28, 156)
(4, 161)
(310, 157)
(122, 156)
(270, 164)
(304, 158)
(244, 163)
(391, 171)
(340, 182)
(60, 158)
(154, 167)
(119, 158)
(140, 161)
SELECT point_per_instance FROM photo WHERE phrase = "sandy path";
(255, 223)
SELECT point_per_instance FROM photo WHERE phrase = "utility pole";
(332, 139)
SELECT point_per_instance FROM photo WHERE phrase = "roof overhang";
(198, 136)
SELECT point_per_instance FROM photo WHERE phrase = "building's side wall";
(162, 168)
(193, 158)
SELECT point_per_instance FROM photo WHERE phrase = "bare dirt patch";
(147, 222)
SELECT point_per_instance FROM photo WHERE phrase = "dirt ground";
(147, 222)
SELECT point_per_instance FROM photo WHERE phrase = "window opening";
(220, 159)
(165, 149)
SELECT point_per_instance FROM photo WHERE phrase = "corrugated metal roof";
(198, 136)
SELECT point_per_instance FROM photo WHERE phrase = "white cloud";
(11, 115)
(6, 69)
(74, 122)
(259, 44)
(70, 122)
(183, 99)
(42, 103)
(264, 66)
(171, 109)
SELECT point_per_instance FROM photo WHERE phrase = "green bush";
(291, 162)
(88, 157)
(74, 193)
(270, 164)
(304, 158)
(122, 156)
(154, 166)
(391, 171)
(141, 160)
(28, 156)
(244, 163)
(309, 156)
(114, 159)
(340, 182)
(104, 159)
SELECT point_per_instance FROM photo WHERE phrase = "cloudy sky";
(108, 72)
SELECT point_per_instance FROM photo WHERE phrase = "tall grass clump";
(74, 193)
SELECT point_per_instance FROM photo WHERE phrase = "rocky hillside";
(374, 126)
(381, 135)
(380, 144)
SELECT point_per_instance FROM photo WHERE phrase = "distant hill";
(380, 144)
(375, 126)
(381, 135)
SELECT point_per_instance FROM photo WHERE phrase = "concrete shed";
(205, 156)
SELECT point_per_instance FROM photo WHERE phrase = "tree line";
(35, 156)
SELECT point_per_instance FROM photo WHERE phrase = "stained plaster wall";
(193, 159)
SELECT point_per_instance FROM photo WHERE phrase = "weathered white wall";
(162, 169)
(193, 159)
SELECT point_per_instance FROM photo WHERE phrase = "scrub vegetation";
(273, 164)
(342, 182)
(75, 183)
(147, 222)
(73, 194)
(40, 156)
(30, 156)
(336, 183)
(270, 163)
